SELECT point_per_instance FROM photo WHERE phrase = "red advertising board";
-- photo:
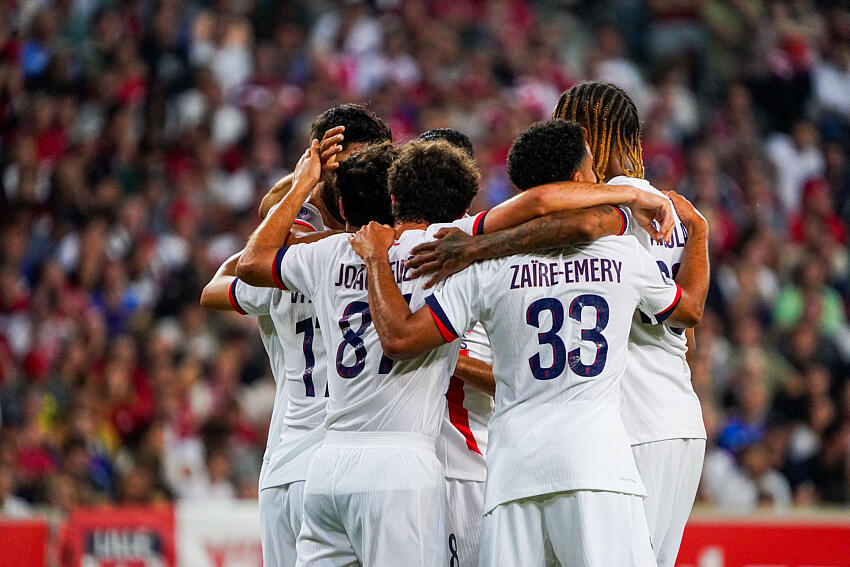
(750, 543)
(119, 537)
(23, 542)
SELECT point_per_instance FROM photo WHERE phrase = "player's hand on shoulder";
(308, 170)
(648, 207)
(447, 255)
(688, 213)
(373, 240)
(330, 146)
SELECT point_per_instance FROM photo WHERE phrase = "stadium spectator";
(137, 139)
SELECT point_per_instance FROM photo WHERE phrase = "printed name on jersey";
(546, 274)
(677, 240)
(353, 276)
(296, 297)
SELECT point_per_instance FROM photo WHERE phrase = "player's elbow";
(206, 297)
(540, 201)
(687, 314)
(400, 348)
(586, 228)
(251, 271)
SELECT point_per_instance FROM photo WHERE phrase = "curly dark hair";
(546, 152)
(455, 137)
(432, 182)
(362, 126)
(361, 181)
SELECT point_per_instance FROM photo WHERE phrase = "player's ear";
(342, 210)
(577, 176)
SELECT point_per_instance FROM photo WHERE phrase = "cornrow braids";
(610, 117)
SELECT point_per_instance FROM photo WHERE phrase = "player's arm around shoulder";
(694, 274)
(225, 292)
(403, 334)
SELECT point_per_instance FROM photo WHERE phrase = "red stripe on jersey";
(478, 225)
(448, 336)
(625, 221)
(232, 296)
(661, 317)
(304, 223)
(458, 415)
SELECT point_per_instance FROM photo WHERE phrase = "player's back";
(659, 401)
(558, 325)
(368, 391)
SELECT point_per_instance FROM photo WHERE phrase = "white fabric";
(462, 443)
(369, 392)
(658, 400)
(559, 324)
(670, 470)
(571, 529)
(297, 427)
(464, 511)
(280, 523)
(375, 499)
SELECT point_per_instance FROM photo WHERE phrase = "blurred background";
(137, 138)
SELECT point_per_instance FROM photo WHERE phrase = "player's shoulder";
(637, 182)
(310, 217)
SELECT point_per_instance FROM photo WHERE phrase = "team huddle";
(507, 388)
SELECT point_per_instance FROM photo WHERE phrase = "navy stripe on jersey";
(625, 221)
(276, 267)
(441, 319)
(661, 317)
(234, 302)
(478, 225)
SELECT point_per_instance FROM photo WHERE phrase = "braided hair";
(610, 117)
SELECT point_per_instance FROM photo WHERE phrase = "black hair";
(362, 126)
(432, 182)
(546, 152)
(611, 119)
(455, 137)
(361, 181)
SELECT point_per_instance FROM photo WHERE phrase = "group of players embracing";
(504, 389)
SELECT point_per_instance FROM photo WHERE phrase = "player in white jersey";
(290, 332)
(462, 443)
(660, 409)
(374, 491)
(562, 484)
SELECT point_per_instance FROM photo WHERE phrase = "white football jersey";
(368, 391)
(659, 401)
(462, 444)
(297, 427)
(558, 324)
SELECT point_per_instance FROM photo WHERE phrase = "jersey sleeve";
(310, 217)
(659, 294)
(249, 300)
(299, 267)
(454, 305)
(472, 225)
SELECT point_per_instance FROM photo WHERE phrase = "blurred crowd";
(137, 138)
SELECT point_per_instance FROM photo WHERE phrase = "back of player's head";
(455, 137)
(361, 181)
(546, 152)
(611, 120)
(361, 125)
(432, 182)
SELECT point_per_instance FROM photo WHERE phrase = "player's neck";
(317, 201)
(401, 227)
